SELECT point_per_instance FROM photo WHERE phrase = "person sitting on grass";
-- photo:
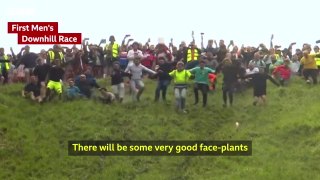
(106, 97)
(181, 78)
(259, 82)
(55, 76)
(282, 73)
(32, 90)
(73, 91)
(85, 82)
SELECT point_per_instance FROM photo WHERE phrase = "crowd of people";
(71, 73)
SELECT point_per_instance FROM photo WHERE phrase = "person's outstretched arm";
(272, 80)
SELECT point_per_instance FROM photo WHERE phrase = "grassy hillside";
(285, 135)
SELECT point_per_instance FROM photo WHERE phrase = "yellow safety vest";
(115, 48)
(189, 55)
(7, 66)
(51, 55)
(317, 60)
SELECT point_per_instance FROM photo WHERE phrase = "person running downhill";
(136, 83)
(201, 82)
(259, 81)
(181, 78)
(163, 69)
(55, 76)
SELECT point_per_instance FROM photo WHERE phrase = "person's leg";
(5, 76)
(264, 99)
(158, 89)
(225, 97)
(164, 89)
(196, 94)
(306, 74)
(115, 90)
(183, 98)
(177, 97)
(141, 88)
(58, 89)
(204, 91)
(133, 89)
(230, 94)
(256, 100)
(121, 91)
(314, 76)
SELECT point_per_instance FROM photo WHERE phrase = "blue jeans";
(162, 86)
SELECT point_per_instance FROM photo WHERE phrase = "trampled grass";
(285, 136)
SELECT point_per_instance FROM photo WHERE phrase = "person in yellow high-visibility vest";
(316, 51)
(55, 53)
(111, 51)
(4, 66)
(192, 56)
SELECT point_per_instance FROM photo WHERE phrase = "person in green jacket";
(201, 82)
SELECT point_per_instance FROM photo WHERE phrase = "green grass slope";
(285, 136)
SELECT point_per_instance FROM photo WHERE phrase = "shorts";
(136, 84)
(230, 87)
(56, 86)
(258, 92)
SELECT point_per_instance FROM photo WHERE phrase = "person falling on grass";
(55, 76)
(181, 78)
(283, 72)
(259, 82)
(201, 74)
(136, 83)
(32, 90)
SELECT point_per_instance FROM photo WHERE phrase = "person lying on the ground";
(106, 97)
(259, 82)
(32, 90)
(283, 72)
